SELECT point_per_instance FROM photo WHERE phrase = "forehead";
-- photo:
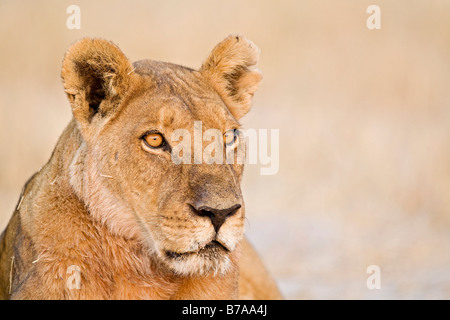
(172, 95)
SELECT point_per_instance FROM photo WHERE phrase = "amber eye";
(154, 140)
(230, 137)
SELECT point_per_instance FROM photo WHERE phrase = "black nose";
(217, 216)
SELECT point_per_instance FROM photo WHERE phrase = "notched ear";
(230, 68)
(96, 75)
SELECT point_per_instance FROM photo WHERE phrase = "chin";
(212, 259)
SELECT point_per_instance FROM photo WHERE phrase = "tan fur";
(122, 215)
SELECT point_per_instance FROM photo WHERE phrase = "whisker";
(248, 220)
(11, 274)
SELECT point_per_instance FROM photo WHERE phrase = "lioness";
(111, 216)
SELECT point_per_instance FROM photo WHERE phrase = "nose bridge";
(214, 186)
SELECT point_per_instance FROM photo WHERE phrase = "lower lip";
(212, 246)
(215, 244)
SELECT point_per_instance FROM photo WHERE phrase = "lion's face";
(192, 214)
(189, 214)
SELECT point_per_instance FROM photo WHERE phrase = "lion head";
(189, 214)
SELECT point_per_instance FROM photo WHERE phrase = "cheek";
(172, 189)
(139, 179)
(238, 170)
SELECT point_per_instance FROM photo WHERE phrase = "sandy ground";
(363, 117)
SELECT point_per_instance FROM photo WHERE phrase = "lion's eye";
(154, 140)
(230, 137)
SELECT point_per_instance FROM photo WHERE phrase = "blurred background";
(364, 120)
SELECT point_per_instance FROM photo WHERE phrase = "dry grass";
(364, 119)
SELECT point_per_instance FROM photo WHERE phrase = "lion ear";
(95, 74)
(230, 68)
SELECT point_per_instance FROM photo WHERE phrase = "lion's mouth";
(212, 248)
